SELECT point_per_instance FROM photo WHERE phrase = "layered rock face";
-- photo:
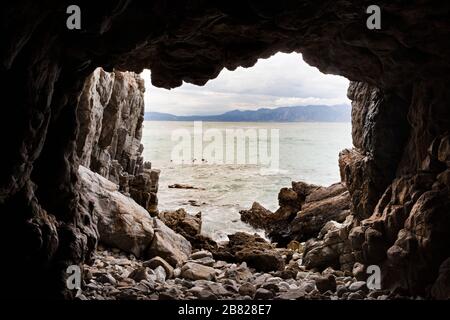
(304, 211)
(401, 166)
(111, 113)
(400, 195)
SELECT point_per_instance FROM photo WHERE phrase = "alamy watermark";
(374, 280)
(254, 146)
(374, 20)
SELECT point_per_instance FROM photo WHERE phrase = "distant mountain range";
(316, 113)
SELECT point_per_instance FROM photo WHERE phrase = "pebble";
(160, 274)
(247, 289)
(263, 294)
(115, 275)
(355, 296)
(201, 254)
(326, 283)
(358, 285)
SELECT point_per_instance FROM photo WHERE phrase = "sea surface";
(306, 151)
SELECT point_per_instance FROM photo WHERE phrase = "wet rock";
(184, 186)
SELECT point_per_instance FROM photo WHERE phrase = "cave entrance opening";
(243, 136)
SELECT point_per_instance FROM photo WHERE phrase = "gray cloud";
(282, 80)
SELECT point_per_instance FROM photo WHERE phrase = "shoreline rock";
(304, 210)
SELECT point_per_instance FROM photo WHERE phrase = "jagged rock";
(321, 205)
(189, 226)
(304, 210)
(143, 187)
(257, 216)
(167, 244)
(111, 112)
(182, 222)
(378, 133)
(400, 228)
(332, 248)
(252, 249)
(121, 222)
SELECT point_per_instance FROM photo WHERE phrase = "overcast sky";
(281, 80)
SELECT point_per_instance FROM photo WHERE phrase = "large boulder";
(304, 210)
(167, 244)
(124, 224)
(252, 249)
(121, 222)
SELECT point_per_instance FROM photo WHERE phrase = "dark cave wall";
(406, 64)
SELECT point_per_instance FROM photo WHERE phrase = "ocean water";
(306, 152)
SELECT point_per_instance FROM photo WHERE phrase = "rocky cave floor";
(115, 275)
